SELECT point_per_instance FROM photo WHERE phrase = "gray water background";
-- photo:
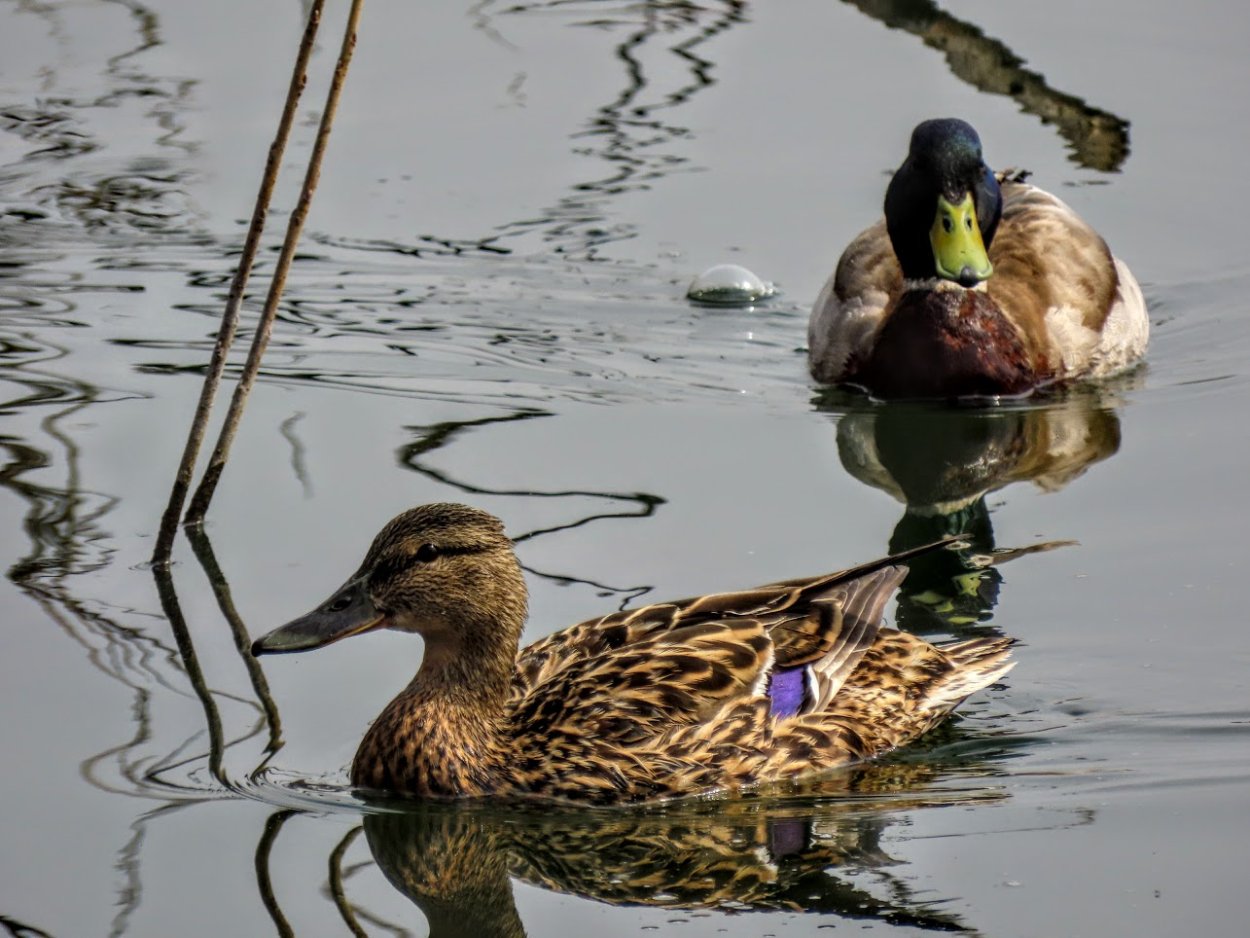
(488, 307)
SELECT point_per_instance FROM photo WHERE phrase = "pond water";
(489, 307)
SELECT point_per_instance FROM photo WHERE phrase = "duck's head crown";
(948, 151)
(441, 566)
(420, 534)
(943, 205)
(444, 570)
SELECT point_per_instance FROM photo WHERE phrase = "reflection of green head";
(958, 251)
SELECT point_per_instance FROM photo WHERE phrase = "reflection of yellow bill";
(958, 251)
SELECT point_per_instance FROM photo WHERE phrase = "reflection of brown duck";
(456, 862)
(942, 462)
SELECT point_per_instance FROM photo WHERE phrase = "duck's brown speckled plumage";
(667, 700)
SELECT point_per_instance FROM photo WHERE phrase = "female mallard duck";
(973, 285)
(718, 692)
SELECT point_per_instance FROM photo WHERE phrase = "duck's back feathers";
(684, 697)
(805, 618)
(679, 662)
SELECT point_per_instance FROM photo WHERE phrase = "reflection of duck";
(942, 462)
(973, 285)
(720, 691)
(456, 861)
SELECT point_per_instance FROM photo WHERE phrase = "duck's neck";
(443, 736)
(473, 671)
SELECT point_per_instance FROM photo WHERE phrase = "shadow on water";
(942, 462)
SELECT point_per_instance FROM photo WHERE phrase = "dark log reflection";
(1097, 139)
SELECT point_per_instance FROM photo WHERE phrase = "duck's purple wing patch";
(787, 688)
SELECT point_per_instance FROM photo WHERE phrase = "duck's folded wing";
(546, 658)
(806, 619)
(1048, 262)
(792, 656)
(635, 692)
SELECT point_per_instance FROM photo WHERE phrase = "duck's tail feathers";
(976, 664)
(863, 608)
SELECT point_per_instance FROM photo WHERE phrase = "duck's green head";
(445, 571)
(943, 205)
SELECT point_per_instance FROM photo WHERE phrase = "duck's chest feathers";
(414, 749)
(950, 343)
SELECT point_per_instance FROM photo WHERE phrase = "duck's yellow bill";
(958, 251)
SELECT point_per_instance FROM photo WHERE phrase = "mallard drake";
(973, 285)
(717, 692)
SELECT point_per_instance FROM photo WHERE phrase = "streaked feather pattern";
(662, 701)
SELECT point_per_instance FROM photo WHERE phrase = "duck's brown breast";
(948, 343)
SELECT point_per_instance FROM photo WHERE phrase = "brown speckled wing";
(687, 669)
(805, 618)
(1046, 257)
(637, 691)
(634, 628)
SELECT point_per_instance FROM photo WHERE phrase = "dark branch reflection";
(20, 929)
(1097, 139)
(436, 436)
(264, 881)
(632, 135)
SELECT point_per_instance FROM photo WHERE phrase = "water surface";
(489, 307)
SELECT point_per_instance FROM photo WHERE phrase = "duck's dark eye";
(427, 552)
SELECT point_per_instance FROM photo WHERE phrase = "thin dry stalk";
(234, 302)
(260, 341)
